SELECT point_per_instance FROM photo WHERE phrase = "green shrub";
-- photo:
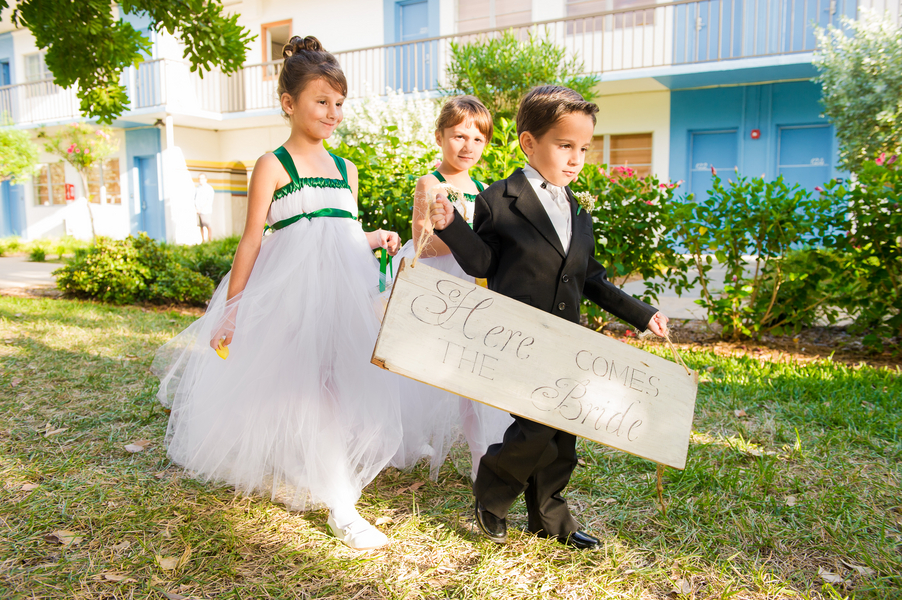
(211, 259)
(37, 254)
(180, 285)
(802, 289)
(387, 179)
(871, 237)
(136, 269)
(500, 70)
(110, 271)
(748, 226)
(10, 245)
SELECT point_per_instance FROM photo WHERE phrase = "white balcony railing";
(655, 35)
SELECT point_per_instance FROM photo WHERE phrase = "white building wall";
(639, 112)
(339, 25)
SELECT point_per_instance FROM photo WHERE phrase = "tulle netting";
(297, 410)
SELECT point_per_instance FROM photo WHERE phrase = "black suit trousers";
(535, 460)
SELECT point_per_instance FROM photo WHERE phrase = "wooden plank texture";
(471, 341)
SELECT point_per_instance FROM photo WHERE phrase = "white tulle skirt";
(296, 411)
(435, 421)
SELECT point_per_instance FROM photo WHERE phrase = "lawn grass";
(800, 487)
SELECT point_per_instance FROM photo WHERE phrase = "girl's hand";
(658, 324)
(441, 213)
(223, 336)
(384, 239)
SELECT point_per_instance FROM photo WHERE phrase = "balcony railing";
(655, 35)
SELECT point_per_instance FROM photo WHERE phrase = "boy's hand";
(441, 213)
(658, 324)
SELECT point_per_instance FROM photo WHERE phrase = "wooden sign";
(473, 342)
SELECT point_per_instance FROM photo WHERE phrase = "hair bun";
(298, 44)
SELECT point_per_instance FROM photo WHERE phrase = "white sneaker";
(359, 534)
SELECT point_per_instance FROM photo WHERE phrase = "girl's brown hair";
(306, 60)
(465, 108)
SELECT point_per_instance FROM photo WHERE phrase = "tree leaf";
(829, 576)
(167, 563)
(63, 537)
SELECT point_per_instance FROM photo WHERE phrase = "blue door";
(12, 209)
(806, 155)
(151, 216)
(718, 149)
(412, 64)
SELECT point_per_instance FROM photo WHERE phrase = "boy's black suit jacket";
(514, 245)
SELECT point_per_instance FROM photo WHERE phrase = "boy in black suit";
(532, 244)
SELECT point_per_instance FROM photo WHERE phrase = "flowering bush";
(375, 119)
(632, 218)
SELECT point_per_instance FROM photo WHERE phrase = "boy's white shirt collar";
(555, 202)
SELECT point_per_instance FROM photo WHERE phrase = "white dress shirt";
(556, 203)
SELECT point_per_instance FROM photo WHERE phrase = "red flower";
(713, 171)
(892, 159)
(818, 188)
(880, 158)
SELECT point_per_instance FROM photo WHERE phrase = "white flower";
(586, 200)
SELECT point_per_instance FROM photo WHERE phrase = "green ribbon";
(323, 212)
(384, 265)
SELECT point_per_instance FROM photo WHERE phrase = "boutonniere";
(586, 201)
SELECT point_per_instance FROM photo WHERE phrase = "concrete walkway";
(19, 272)
(684, 307)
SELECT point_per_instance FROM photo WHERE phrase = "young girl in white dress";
(433, 419)
(296, 410)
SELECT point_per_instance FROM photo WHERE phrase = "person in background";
(203, 204)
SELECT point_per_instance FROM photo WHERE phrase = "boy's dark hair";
(543, 106)
(306, 60)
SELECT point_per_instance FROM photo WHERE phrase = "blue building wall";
(712, 127)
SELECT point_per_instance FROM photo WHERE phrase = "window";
(622, 20)
(273, 38)
(474, 15)
(630, 150)
(50, 185)
(103, 183)
(37, 74)
(35, 68)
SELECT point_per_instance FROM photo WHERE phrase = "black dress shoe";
(493, 527)
(578, 539)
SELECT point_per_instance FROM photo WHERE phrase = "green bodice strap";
(479, 186)
(300, 182)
